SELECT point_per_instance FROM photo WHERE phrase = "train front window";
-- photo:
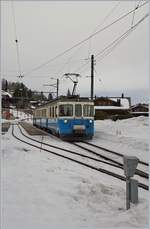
(88, 110)
(78, 110)
(66, 110)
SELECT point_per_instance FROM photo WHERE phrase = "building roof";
(123, 101)
(124, 104)
(140, 105)
(5, 93)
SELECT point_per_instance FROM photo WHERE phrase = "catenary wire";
(86, 39)
(102, 22)
(132, 22)
(124, 36)
(79, 48)
(16, 39)
(113, 44)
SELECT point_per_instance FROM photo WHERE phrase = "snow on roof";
(140, 104)
(139, 112)
(110, 108)
(6, 93)
(34, 101)
(33, 107)
(123, 101)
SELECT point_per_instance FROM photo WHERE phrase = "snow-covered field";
(40, 190)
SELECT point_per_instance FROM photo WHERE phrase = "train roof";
(67, 99)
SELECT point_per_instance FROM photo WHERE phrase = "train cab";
(69, 118)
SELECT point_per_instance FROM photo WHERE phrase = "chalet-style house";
(108, 107)
(6, 99)
(140, 109)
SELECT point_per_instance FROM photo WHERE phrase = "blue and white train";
(69, 118)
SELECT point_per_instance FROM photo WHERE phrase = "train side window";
(44, 113)
(78, 110)
(56, 111)
(50, 111)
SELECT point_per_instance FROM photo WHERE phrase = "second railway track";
(111, 151)
(137, 172)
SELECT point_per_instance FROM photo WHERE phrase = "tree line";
(21, 94)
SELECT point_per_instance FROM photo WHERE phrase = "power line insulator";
(20, 76)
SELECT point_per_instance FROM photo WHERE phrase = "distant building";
(106, 107)
(34, 102)
(140, 109)
(6, 99)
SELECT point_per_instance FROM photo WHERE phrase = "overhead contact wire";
(16, 39)
(116, 42)
(86, 39)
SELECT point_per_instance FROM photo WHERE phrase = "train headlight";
(90, 121)
(65, 121)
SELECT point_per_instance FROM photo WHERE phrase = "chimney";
(122, 95)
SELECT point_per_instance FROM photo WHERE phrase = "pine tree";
(68, 93)
(50, 96)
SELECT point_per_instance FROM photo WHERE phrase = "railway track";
(141, 185)
(69, 151)
(111, 151)
(111, 162)
(137, 172)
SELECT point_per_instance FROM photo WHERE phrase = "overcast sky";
(46, 28)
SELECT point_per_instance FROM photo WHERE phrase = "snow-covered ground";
(128, 136)
(40, 190)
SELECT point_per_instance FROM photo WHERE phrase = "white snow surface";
(40, 190)
(110, 107)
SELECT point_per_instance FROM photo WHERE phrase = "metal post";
(17, 110)
(130, 164)
(92, 76)
(57, 87)
(127, 193)
(134, 191)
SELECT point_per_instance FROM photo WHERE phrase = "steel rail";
(116, 163)
(141, 185)
(69, 151)
(137, 171)
(111, 151)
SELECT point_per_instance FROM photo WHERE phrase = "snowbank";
(40, 190)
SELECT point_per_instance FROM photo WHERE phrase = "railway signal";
(20, 76)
